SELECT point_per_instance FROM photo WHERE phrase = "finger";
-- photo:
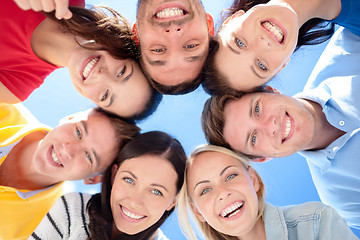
(23, 4)
(36, 5)
(48, 5)
(62, 9)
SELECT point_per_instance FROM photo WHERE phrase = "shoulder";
(305, 210)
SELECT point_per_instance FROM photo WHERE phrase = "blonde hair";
(185, 211)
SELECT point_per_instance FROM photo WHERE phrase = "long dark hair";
(150, 143)
(312, 32)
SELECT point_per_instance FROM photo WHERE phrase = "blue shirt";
(308, 221)
(335, 85)
(349, 16)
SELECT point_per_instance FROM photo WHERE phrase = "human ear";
(93, 180)
(236, 14)
(259, 159)
(135, 35)
(198, 215)
(271, 89)
(173, 203)
(254, 178)
(210, 24)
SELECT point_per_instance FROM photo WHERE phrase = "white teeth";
(54, 157)
(89, 66)
(131, 215)
(170, 12)
(275, 30)
(231, 209)
(288, 128)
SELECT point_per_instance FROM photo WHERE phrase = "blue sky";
(287, 180)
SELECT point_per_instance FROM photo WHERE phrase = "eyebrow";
(153, 184)
(250, 115)
(187, 59)
(113, 96)
(97, 158)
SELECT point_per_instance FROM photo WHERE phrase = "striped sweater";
(67, 219)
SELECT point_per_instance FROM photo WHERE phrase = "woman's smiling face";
(256, 45)
(223, 193)
(143, 189)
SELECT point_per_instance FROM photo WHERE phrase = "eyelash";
(239, 43)
(190, 46)
(78, 132)
(88, 156)
(157, 192)
(128, 180)
(158, 50)
(261, 65)
(231, 176)
(122, 72)
(204, 191)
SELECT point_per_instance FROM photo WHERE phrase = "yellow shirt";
(21, 210)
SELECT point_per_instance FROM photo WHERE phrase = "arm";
(6, 96)
(333, 227)
(61, 7)
(67, 218)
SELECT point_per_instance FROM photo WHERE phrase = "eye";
(128, 180)
(157, 192)
(122, 72)
(253, 139)
(206, 190)
(261, 65)
(105, 96)
(189, 46)
(239, 43)
(158, 50)
(257, 110)
(231, 176)
(78, 132)
(88, 156)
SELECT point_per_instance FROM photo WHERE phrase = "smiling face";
(77, 150)
(256, 45)
(224, 193)
(143, 189)
(268, 125)
(118, 86)
(174, 39)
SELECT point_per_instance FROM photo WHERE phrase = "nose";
(223, 194)
(70, 149)
(264, 41)
(136, 197)
(270, 126)
(174, 31)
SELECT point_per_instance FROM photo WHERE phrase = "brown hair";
(150, 143)
(108, 28)
(312, 32)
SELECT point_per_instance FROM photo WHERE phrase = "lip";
(270, 34)
(128, 219)
(170, 5)
(292, 129)
(85, 63)
(237, 215)
(50, 159)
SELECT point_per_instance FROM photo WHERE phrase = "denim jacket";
(308, 221)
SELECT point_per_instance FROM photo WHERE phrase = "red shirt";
(21, 71)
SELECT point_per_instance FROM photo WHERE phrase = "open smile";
(288, 128)
(89, 67)
(169, 12)
(131, 216)
(232, 211)
(53, 158)
(274, 30)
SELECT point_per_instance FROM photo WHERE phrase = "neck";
(256, 233)
(324, 133)
(17, 170)
(308, 9)
(51, 44)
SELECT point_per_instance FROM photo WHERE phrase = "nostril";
(167, 31)
(178, 30)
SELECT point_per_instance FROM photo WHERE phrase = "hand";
(61, 7)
